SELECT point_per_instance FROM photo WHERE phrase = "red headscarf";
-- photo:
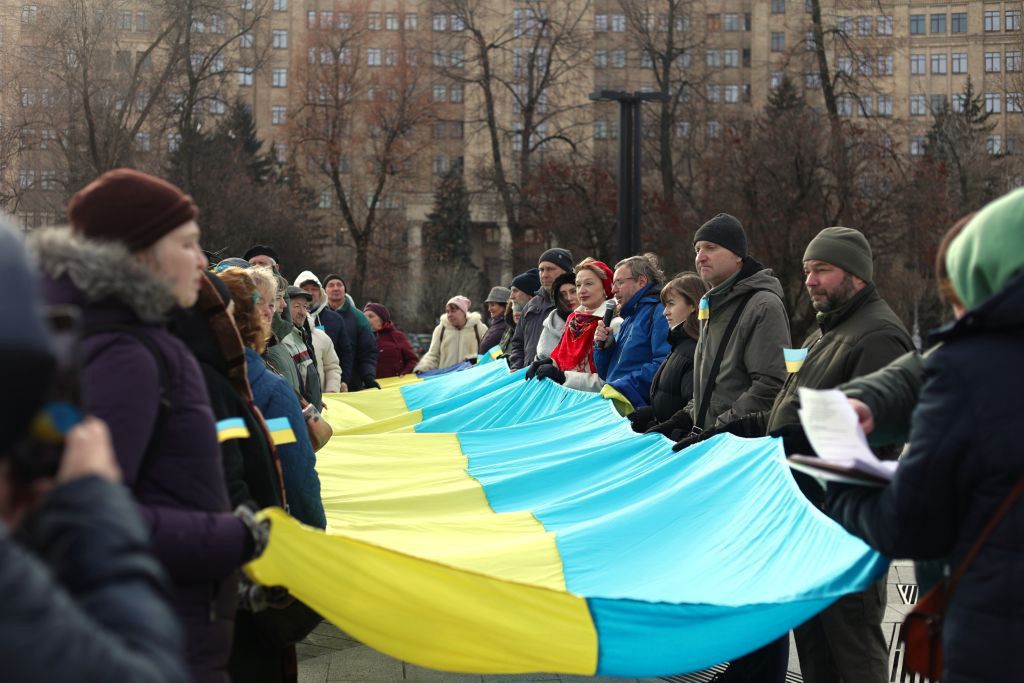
(575, 350)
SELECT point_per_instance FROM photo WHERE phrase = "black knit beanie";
(725, 231)
(560, 257)
(334, 276)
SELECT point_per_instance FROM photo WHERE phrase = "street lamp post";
(629, 163)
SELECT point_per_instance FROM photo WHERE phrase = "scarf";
(575, 350)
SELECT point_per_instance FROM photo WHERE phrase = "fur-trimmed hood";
(100, 271)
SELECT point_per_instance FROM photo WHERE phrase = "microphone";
(609, 314)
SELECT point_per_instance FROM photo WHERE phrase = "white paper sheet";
(833, 430)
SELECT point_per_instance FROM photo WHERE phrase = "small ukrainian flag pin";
(703, 312)
(231, 428)
(794, 359)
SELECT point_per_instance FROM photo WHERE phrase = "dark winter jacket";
(752, 369)
(333, 324)
(162, 429)
(672, 385)
(891, 394)
(394, 352)
(363, 343)
(639, 347)
(861, 337)
(964, 457)
(275, 398)
(89, 602)
(523, 348)
(495, 331)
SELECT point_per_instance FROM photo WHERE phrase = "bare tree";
(527, 58)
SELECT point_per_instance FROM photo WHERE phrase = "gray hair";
(644, 265)
(264, 278)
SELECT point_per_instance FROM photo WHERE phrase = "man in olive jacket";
(857, 334)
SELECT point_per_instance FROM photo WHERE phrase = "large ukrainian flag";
(481, 523)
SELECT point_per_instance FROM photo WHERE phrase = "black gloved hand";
(641, 418)
(369, 382)
(679, 422)
(254, 597)
(747, 427)
(794, 439)
(536, 365)
(259, 532)
(551, 372)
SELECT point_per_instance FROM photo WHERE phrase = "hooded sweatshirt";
(449, 345)
(332, 323)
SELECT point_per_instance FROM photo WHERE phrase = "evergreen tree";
(785, 97)
(448, 230)
(240, 127)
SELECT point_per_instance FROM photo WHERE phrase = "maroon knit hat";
(379, 310)
(130, 207)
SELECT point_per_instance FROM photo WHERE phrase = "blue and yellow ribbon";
(231, 428)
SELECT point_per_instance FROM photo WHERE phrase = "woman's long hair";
(689, 286)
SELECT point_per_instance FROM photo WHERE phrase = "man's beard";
(836, 299)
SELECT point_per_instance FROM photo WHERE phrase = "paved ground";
(330, 655)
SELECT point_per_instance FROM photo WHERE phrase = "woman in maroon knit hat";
(394, 352)
(130, 258)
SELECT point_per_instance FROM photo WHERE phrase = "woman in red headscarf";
(572, 361)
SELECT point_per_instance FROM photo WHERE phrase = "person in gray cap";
(523, 348)
(857, 333)
(496, 301)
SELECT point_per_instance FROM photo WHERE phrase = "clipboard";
(826, 471)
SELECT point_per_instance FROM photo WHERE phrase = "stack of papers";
(834, 432)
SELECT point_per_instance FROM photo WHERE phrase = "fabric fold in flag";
(524, 527)
(231, 428)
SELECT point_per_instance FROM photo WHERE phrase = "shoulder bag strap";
(705, 401)
(993, 521)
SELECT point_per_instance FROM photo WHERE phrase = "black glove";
(369, 382)
(254, 597)
(794, 439)
(551, 372)
(747, 427)
(679, 422)
(259, 532)
(536, 365)
(641, 418)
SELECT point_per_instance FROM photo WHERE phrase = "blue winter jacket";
(276, 398)
(641, 344)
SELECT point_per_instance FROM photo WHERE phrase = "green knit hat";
(989, 251)
(843, 247)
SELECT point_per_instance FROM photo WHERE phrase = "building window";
(440, 22)
(600, 59)
(778, 42)
(938, 103)
(279, 77)
(730, 22)
(959, 62)
(373, 56)
(29, 14)
(884, 65)
(278, 115)
(732, 93)
(844, 65)
(917, 105)
(917, 64)
(412, 21)
(391, 21)
(992, 62)
(959, 22)
(958, 103)
(1013, 60)
(713, 58)
(731, 57)
(325, 199)
(714, 22)
(245, 75)
(279, 5)
(844, 25)
(217, 107)
(619, 58)
(883, 26)
(810, 41)
(713, 92)
(916, 24)
(863, 26)
(440, 164)
(1013, 103)
(1012, 20)
(866, 108)
(993, 102)
(600, 130)
(812, 80)
(455, 94)
(917, 145)
(778, 6)
(938, 23)
(991, 20)
(994, 144)
(124, 21)
(714, 129)
(457, 23)
(682, 129)
(939, 63)
(600, 23)
(775, 80)
(844, 105)
(279, 38)
(344, 21)
(618, 23)
(245, 40)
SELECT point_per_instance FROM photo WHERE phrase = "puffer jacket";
(640, 346)
(522, 350)
(449, 345)
(964, 457)
(361, 340)
(169, 455)
(672, 386)
(753, 369)
(550, 334)
(327, 363)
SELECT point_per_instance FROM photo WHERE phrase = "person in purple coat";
(131, 255)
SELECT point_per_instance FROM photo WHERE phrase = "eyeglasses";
(618, 283)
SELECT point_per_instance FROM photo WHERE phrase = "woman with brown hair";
(276, 399)
(672, 386)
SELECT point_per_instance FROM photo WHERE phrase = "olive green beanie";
(843, 247)
(989, 251)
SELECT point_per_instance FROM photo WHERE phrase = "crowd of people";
(128, 546)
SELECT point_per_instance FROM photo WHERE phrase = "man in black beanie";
(523, 347)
